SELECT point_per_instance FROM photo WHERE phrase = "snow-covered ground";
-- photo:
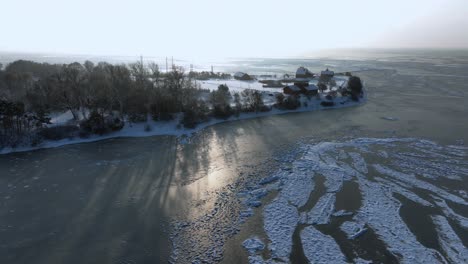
(173, 128)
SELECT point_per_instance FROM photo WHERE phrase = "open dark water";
(155, 199)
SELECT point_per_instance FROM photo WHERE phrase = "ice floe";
(320, 248)
(280, 220)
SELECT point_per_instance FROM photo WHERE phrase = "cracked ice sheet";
(413, 181)
(449, 241)
(280, 220)
(381, 212)
(320, 248)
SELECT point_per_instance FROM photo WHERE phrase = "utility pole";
(172, 62)
(166, 66)
(141, 63)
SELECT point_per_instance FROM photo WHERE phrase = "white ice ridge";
(449, 241)
(462, 221)
(358, 162)
(320, 248)
(415, 182)
(396, 188)
(430, 168)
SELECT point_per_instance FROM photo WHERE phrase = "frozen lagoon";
(118, 200)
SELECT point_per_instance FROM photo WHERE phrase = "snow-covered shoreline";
(171, 128)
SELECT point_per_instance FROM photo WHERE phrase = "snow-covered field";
(384, 184)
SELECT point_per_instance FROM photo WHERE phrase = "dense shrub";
(195, 114)
(291, 102)
(223, 112)
(220, 101)
(98, 124)
(327, 103)
(58, 132)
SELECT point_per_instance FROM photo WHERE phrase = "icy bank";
(172, 128)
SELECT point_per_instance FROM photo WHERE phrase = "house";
(310, 89)
(292, 89)
(327, 72)
(242, 76)
(303, 72)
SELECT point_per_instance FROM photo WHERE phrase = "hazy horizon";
(201, 29)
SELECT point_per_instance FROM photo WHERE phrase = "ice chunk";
(280, 220)
(252, 245)
(353, 229)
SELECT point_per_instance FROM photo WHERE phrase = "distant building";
(303, 72)
(326, 75)
(242, 76)
(327, 72)
(292, 89)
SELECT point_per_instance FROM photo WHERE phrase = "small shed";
(242, 76)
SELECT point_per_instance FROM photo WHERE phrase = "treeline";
(102, 97)
(205, 75)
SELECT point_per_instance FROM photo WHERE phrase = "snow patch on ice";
(253, 245)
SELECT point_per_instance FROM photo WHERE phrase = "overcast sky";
(205, 28)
